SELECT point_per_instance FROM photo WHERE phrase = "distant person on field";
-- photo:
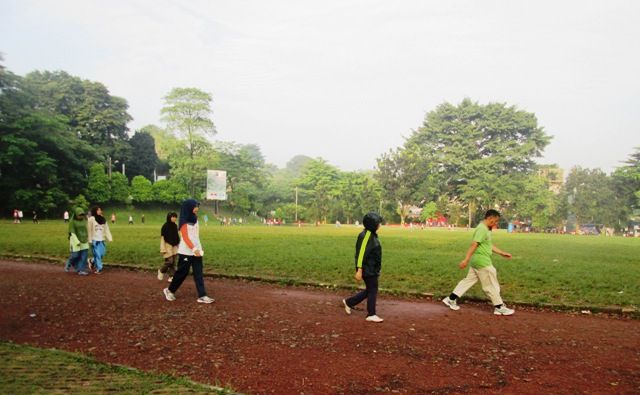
(20, 216)
(113, 218)
(16, 220)
(99, 234)
(78, 242)
(35, 218)
(206, 219)
(479, 255)
(142, 219)
(65, 216)
(169, 241)
(130, 219)
(368, 261)
(189, 253)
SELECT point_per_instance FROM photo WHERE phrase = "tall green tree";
(400, 175)
(471, 152)
(626, 182)
(318, 186)
(141, 190)
(98, 188)
(592, 198)
(187, 113)
(144, 159)
(119, 185)
(42, 162)
(92, 113)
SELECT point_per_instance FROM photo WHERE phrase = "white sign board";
(216, 185)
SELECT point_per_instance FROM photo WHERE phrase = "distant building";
(554, 175)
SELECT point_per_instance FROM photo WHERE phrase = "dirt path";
(265, 339)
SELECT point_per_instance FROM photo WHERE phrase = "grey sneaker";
(169, 295)
(503, 310)
(83, 273)
(453, 305)
(205, 299)
(347, 309)
(374, 318)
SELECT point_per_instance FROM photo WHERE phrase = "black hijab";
(99, 218)
(169, 231)
(186, 212)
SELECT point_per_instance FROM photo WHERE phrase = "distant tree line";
(65, 139)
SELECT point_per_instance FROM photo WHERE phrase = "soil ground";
(262, 338)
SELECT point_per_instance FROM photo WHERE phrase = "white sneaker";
(170, 279)
(453, 305)
(503, 310)
(160, 275)
(169, 295)
(206, 299)
(374, 318)
(347, 309)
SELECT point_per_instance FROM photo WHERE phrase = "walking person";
(113, 218)
(189, 253)
(130, 219)
(99, 233)
(482, 269)
(65, 216)
(169, 242)
(78, 242)
(368, 260)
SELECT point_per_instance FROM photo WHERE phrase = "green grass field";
(561, 270)
(28, 370)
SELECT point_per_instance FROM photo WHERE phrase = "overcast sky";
(349, 80)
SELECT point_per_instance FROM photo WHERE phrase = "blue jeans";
(184, 263)
(78, 260)
(99, 249)
(370, 293)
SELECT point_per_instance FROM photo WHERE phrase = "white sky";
(348, 80)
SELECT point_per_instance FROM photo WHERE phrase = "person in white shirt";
(190, 253)
(99, 232)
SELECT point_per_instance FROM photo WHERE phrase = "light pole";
(296, 204)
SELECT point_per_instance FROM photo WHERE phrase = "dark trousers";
(184, 263)
(370, 293)
(169, 265)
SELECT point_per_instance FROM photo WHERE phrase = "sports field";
(563, 270)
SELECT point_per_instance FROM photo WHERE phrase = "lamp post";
(296, 204)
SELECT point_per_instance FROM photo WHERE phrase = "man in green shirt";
(479, 255)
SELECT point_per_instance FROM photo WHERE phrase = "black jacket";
(368, 248)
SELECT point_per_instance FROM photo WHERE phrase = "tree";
(187, 113)
(98, 189)
(429, 211)
(141, 190)
(476, 153)
(42, 163)
(144, 159)
(626, 182)
(318, 184)
(169, 192)
(119, 188)
(399, 175)
(91, 112)
(591, 197)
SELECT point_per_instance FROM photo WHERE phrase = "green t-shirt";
(482, 257)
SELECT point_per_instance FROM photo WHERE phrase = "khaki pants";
(488, 279)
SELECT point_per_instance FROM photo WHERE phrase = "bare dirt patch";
(266, 339)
